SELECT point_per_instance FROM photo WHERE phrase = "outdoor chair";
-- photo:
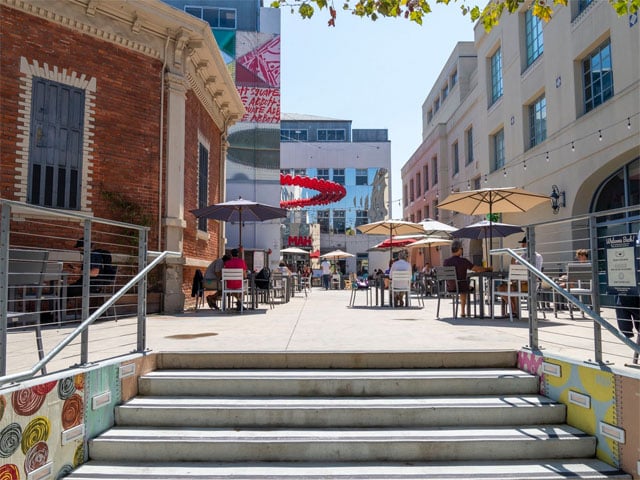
(53, 282)
(579, 284)
(234, 275)
(104, 292)
(444, 274)
(278, 287)
(518, 276)
(401, 283)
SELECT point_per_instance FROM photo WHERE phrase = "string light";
(504, 171)
(547, 157)
(600, 135)
(628, 123)
(468, 184)
(524, 164)
(485, 178)
(573, 147)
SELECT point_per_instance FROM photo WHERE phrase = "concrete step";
(544, 469)
(337, 360)
(321, 382)
(140, 444)
(339, 411)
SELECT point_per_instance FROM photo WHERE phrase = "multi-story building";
(248, 36)
(534, 105)
(358, 159)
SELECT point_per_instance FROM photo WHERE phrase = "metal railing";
(596, 328)
(61, 320)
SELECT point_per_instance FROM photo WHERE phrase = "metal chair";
(233, 275)
(518, 278)
(401, 283)
(52, 280)
(443, 275)
(579, 284)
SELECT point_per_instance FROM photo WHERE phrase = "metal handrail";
(596, 317)
(89, 321)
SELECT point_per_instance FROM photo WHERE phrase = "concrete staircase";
(433, 415)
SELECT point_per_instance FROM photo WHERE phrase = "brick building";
(117, 100)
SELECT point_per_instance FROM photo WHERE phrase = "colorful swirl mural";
(27, 401)
(328, 191)
(10, 438)
(36, 457)
(66, 388)
(72, 411)
(37, 430)
(9, 472)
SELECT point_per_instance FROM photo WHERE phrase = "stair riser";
(359, 360)
(335, 387)
(310, 451)
(338, 417)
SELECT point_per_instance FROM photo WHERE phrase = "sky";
(376, 74)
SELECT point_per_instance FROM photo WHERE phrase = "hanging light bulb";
(547, 158)
(629, 123)
(504, 171)
(485, 178)
(600, 135)
(468, 184)
(524, 164)
(573, 147)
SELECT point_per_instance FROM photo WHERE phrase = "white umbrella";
(337, 255)
(295, 250)
(391, 228)
(436, 228)
(430, 242)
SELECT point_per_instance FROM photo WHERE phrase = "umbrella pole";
(240, 228)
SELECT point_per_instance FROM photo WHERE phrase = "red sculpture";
(328, 191)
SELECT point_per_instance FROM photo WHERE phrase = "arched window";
(622, 189)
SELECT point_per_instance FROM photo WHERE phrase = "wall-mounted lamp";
(557, 199)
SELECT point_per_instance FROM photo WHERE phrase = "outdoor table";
(481, 276)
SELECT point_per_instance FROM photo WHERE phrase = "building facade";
(131, 102)
(359, 160)
(248, 36)
(512, 108)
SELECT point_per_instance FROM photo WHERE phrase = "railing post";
(142, 291)
(86, 300)
(5, 223)
(532, 293)
(595, 287)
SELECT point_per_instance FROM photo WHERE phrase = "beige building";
(534, 105)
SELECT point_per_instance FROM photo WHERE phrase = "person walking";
(326, 273)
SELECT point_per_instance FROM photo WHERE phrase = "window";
(362, 217)
(597, 73)
(445, 92)
(203, 183)
(496, 76)
(434, 210)
(476, 183)
(338, 175)
(426, 212)
(406, 195)
(419, 215)
(620, 190)
(434, 171)
(453, 79)
(583, 4)
(436, 105)
(537, 122)
(331, 135)
(456, 158)
(323, 174)
(300, 171)
(533, 35)
(498, 150)
(418, 185)
(323, 220)
(425, 176)
(362, 178)
(469, 145)
(411, 191)
(338, 221)
(215, 17)
(429, 115)
(287, 135)
(55, 144)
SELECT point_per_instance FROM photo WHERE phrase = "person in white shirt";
(326, 273)
(400, 265)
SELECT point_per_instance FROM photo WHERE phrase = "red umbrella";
(395, 242)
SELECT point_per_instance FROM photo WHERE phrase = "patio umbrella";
(489, 200)
(240, 211)
(431, 241)
(486, 229)
(337, 255)
(295, 250)
(435, 228)
(394, 242)
(391, 228)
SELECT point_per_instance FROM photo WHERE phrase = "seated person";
(400, 264)
(282, 268)
(101, 271)
(462, 265)
(525, 286)
(582, 256)
(236, 262)
(212, 280)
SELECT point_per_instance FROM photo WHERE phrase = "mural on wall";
(32, 423)
(604, 404)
